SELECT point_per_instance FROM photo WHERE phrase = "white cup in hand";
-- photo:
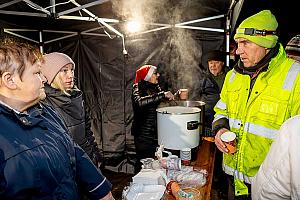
(219, 143)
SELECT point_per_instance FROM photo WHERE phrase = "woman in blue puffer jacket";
(38, 158)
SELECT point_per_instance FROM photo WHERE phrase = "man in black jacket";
(207, 90)
(146, 96)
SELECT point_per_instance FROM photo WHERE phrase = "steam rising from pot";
(177, 49)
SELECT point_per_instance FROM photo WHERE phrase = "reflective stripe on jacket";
(257, 116)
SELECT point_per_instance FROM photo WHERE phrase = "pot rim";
(163, 110)
(188, 102)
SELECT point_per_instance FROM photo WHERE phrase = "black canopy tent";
(175, 36)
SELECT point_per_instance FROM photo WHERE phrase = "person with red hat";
(146, 96)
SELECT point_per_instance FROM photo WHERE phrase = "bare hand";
(109, 196)
(220, 145)
(169, 95)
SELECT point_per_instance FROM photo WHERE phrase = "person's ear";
(8, 80)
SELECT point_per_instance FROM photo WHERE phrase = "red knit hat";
(144, 73)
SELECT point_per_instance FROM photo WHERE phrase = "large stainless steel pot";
(198, 104)
(178, 127)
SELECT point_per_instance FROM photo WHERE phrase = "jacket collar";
(8, 107)
(31, 118)
(147, 84)
(50, 91)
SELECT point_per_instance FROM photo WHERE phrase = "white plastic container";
(178, 127)
(144, 192)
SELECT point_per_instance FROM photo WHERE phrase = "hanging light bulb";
(133, 26)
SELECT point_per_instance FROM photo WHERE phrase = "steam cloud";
(179, 50)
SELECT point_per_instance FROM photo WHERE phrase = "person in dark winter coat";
(38, 158)
(146, 96)
(213, 83)
(216, 67)
(217, 71)
(207, 90)
(68, 101)
(293, 48)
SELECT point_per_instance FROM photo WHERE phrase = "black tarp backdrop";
(106, 75)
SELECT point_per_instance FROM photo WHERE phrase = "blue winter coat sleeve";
(89, 177)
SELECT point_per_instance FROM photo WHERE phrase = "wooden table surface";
(205, 160)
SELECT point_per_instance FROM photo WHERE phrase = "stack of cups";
(186, 156)
(171, 162)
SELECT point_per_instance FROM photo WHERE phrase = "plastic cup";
(186, 156)
(171, 162)
(183, 94)
(229, 139)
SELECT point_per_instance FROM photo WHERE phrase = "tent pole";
(80, 7)
(31, 14)
(36, 6)
(227, 49)
(125, 62)
(228, 29)
(99, 19)
(9, 3)
(18, 35)
(87, 18)
(200, 20)
(41, 42)
(52, 8)
(60, 38)
(201, 28)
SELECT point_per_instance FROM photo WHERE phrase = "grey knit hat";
(53, 63)
(293, 45)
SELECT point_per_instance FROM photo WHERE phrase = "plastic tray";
(145, 192)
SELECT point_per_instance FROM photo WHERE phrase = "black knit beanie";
(216, 55)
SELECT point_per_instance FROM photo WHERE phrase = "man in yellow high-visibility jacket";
(258, 95)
